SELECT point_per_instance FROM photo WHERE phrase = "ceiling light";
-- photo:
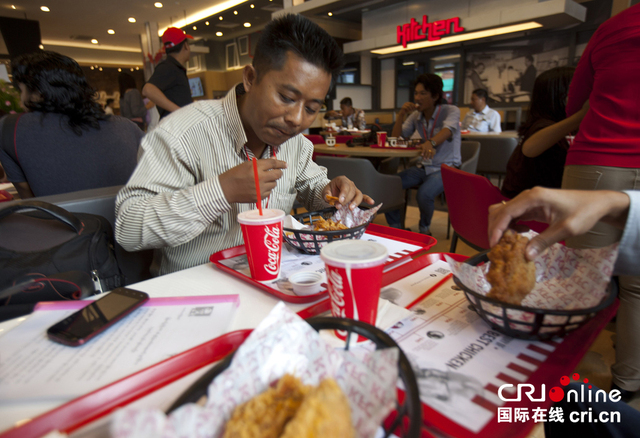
(206, 22)
(119, 69)
(220, 18)
(218, 33)
(131, 69)
(44, 9)
(409, 63)
(88, 45)
(137, 68)
(235, 12)
(330, 14)
(91, 67)
(41, 47)
(100, 69)
(111, 31)
(204, 14)
(460, 37)
(157, 4)
(132, 20)
(13, 6)
(94, 41)
(247, 24)
(195, 28)
(252, 6)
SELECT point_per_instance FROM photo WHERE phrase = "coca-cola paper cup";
(263, 241)
(354, 275)
(382, 138)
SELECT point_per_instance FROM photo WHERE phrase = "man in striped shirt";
(194, 173)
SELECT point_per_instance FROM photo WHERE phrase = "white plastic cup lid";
(354, 253)
(252, 217)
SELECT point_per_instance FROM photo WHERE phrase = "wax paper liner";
(566, 279)
(350, 218)
(282, 343)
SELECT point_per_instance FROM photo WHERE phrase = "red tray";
(375, 145)
(424, 241)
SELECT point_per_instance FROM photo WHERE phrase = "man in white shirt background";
(481, 118)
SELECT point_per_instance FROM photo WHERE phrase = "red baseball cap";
(174, 36)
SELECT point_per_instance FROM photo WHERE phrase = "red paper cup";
(263, 241)
(354, 276)
(382, 138)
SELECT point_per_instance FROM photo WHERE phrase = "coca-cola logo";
(337, 296)
(272, 243)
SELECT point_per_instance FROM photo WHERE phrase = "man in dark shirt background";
(168, 87)
(529, 76)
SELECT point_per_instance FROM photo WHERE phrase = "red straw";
(255, 175)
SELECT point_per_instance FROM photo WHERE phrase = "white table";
(201, 280)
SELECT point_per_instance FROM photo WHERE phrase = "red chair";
(315, 138)
(468, 199)
(343, 138)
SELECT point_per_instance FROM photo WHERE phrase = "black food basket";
(405, 422)
(310, 241)
(541, 324)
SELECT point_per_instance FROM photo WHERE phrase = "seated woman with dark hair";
(64, 142)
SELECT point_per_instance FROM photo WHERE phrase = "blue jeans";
(430, 187)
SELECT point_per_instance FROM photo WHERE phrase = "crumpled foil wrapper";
(566, 279)
(282, 343)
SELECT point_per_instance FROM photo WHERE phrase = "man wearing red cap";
(168, 87)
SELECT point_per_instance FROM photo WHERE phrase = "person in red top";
(605, 155)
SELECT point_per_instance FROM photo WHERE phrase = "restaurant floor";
(596, 363)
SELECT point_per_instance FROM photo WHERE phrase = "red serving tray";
(422, 240)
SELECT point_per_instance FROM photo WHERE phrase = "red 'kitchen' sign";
(414, 31)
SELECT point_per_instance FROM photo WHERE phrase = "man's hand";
(428, 152)
(346, 191)
(332, 115)
(569, 213)
(238, 184)
(407, 108)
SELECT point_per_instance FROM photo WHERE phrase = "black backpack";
(39, 241)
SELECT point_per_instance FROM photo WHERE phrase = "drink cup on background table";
(382, 138)
(263, 241)
(354, 276)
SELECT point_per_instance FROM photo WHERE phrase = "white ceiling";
(78, 21)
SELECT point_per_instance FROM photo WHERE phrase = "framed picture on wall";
(243, 45)
(233, 60)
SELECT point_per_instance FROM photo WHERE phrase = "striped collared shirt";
(174, 202)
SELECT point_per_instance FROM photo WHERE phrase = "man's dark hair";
(549, 97)
(346, 101)
(481, 93)
(62, 85)
(176, 48)
(433, 84)
(299, 35)
(126, 82)
(109, 102)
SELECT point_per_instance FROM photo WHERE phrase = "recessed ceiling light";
(330, 14)
(195, 28)
(220, 18)
(137, 68)
(206, 22)
(13, 6)
(252, 6)
(235, 12)
(218, 33)
(132, 69)
(157, 4)
(111, 31)
(41, 47)
(247, 24)
(132, 20)
(91, 67)
(100, 69)
(119, 69)
(44, 9)
(94, 41)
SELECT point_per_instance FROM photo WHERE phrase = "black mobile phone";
(79, 327)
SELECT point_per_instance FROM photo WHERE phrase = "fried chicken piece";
(325, 412)
(266, 415)
(511, 275)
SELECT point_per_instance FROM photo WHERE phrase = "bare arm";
(406, 109)
(547, 137)
(157, 96)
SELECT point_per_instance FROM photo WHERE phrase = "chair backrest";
(382, 188)
(468, 199)
(470, 151)
(315, 138)
(495, 153)
(135, 265)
